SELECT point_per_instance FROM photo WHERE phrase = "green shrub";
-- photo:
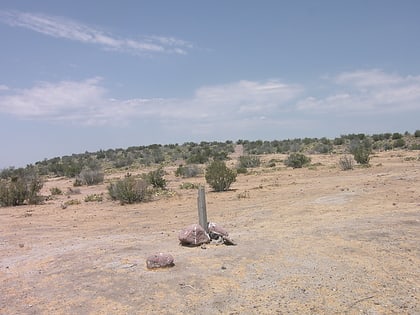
(90, 176)
(219, 176)
(94, 198)
(56, 191)
(399, 143)
(189, 186)
(297, 160)
(396, 135)
(155, 178)
(417, 133)
(249, 161)
(21, 189)
(346, 163)
(72, 202)
(361, 151)
(129, 190)
(187, 171)
(241, 170)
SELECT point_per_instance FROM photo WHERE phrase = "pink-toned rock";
(160, 260)
(193, 235)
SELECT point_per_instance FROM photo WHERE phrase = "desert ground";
(315, 240)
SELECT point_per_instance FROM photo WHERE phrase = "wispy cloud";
(87, 102)
(366, 92)
(60, 27)
(243, 103)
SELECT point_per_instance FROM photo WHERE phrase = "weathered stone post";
(202, 212)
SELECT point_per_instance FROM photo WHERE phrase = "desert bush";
(94, 198)
(90, 176)
(73, 191)
(219, 176)
(155, 178)
(417, 133)
(241, 170)
(249, 161)
(189, 186)
(72, 202)
(297, 160)
(129, 190)
(396, 135)
(346, 163)
(361, 151)
(55, 191)
(399, 143)
(187, 171)
(243, 195)
(20, 189)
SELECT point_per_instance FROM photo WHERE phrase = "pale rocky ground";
(310, 241)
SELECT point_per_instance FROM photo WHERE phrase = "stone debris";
(219, 234)
(160, 260)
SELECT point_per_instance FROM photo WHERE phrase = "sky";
(79, 76)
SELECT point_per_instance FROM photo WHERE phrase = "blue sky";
(80, 76)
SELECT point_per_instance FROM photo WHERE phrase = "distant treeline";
(203, 152)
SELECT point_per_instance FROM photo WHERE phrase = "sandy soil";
(310, 241)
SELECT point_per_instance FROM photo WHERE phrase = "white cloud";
(4, 87)
(368, 78)
(242, 103)
(60, 27)
(86, 102)
(367, 92)
(52, 101)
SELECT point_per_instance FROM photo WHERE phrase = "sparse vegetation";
(129, 190)
(346, 163)
(187, 171)
(56, 191)
(72, 202)
(219, 176)
(90, 176)
(249, 161)
(17, 187)
(189, 186)
(361, 150)
(297, 160)
(94, 198)
(22, 187)
(156, 179)
(243, 195)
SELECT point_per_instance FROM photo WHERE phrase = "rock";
(193, 235)
(219, 234)
(159, 260)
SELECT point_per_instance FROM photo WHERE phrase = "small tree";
(297, 160)
(219, 176)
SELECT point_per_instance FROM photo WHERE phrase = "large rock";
(193, 235)
(160, 260)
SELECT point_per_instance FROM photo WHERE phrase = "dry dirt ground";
(316, 240)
